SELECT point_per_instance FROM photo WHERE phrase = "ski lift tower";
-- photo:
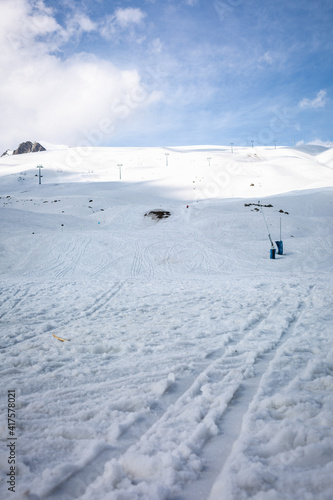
(39, 174)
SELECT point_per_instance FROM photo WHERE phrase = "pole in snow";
(232, 147)
(120, 165)
(272, 251)
(166, 158)
(209, 161)
(252, 143)
(279, 244)
(39, 174)
(275, 144)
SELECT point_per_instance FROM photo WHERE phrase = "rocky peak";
(28, 147)
(25, 147)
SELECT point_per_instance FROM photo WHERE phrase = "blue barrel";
(279, 245)
(272, 253)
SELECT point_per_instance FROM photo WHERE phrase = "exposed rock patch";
(158, 214)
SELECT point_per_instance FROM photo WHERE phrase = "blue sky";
(155, 73)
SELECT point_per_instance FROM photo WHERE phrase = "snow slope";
(196, 367)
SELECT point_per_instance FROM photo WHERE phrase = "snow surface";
(196, 367)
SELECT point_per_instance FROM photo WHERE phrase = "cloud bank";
(46, 96)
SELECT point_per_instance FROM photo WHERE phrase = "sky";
(166, 73)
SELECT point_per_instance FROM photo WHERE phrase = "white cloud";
(21, 22)
(123, 20)
(81, 23)
(125, 17)
(318, 102)
(46, 96)
(319, 142)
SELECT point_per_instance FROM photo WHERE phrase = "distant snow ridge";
(25, 147)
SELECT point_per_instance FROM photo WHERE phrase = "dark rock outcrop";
(158, 214)
(25, 147)
(28, 147)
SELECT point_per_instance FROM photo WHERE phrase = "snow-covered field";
(196, 367)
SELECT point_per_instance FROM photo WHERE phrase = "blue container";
(272, 253)
(279, 245)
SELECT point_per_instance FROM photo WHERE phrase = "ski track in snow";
(12, 299)
(227, 373)
(277, 444)
(142, 264)
(186, 411)
(231, 421)
(66, 257)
